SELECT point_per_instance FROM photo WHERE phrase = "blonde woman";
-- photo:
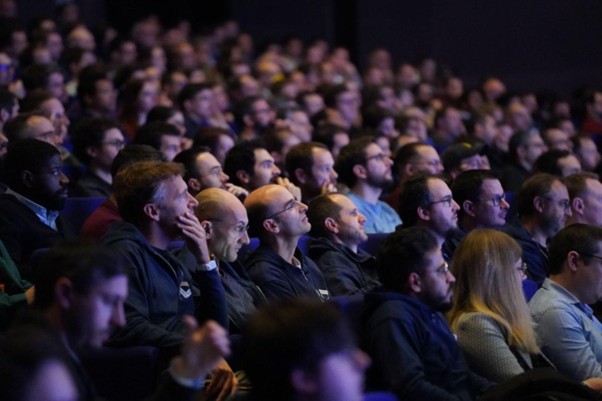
(490, 315)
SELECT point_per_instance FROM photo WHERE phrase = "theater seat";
(77, 210)
(380, 396)
(373, 243)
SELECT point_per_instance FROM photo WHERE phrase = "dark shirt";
(414, 353)
(91, 186)
(534, 255)
(345, 271)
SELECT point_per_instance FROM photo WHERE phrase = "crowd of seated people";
(231, 179)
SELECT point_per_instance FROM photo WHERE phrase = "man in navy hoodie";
(278, 267)
(414, 353)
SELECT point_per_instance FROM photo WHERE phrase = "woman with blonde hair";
(490, 314)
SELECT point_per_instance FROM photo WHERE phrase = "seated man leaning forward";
(277, 266)
(337, 230)
(157, 209)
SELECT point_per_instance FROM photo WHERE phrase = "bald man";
(277, 266)
(225, 221)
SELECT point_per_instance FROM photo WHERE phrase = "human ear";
(152, 211)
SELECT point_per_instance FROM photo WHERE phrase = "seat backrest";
(373, 243)
(77, 210)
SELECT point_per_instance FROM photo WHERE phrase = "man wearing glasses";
(426, 201)
(480, 195)
(543, 207)
(277, 266)
(570, 336)
(366, 171)
(224, 219)
(415, 355)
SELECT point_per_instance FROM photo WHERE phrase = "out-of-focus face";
(265, 170)
(52, 382)
(209, 171)
(340, 376)
(350, 222)
(569, 165)
(378, 166)
(313, 103)
(56, 86)
(263, 115)
(100, 312)
(201, 104)
(148, 97)
(55, 112)
(558, 139)
(43, 130)
(104, 98)
(491, 208)
(348, 104)
(436, 282)
(592, 203)
(171, 145)
(177, 120)
(112, 143)
(223, 146)
(534, 148)
(588, 154)
(299, 124)
(339, 141)
(555, 208)
(427, 160)
(7, 69)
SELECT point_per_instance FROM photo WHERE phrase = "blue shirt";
(570, 336)
(46, 216)
(380, 217)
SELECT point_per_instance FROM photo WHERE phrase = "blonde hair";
(487, 282)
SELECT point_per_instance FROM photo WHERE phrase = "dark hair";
(414, 193)
(352, 154)
(160, 113)
(294, 334)
(536, 185)
(581, 238)
(325, 134)
(467, 185)
(36, 76)
(32, 102)
(209, 136)
(406, 154)
(150, 133)
(84, 263)
(26, 154)
(401, 253)
(241, 157)
(187, 158)
(301, 156)
(518, 139)
(139, 183)
(576, 184)
(90, 133)
(548, 162)
(189, 91)
(134, 154)
(320, 208)
(7, 100)
(88, 77)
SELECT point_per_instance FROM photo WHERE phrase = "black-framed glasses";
(523, 268)
(378, 157)
(291, 205)
(591, 256)
(448, 199)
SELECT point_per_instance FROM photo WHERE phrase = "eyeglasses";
(239, 228)
(591, 256)
(565, 203)
(292, 204)
(448, 199)
(379, 157)
(116, 143)
(443, 270)
(497, 200)
(216, 171)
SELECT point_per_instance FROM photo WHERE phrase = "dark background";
(536, 44)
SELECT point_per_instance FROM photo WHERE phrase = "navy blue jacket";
(534, 255)
(278, 279)
(161, 291)
(345, 271)
(414, 353)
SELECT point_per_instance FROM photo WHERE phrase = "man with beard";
(543, 206)
(414, 353)
(337, 230)
(37, 190)
(310, 166)
(277, 266)
(426, 201)
(482, 202)
(366, 170)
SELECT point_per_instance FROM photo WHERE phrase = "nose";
(245, 238)
(302, 206)
(224, 177)
(568, 211)
(455, 206)
(333, 174)
(64, 181)
(118, 316)
(450, 277)
(192, 202)
(275, 170)
(504, 204)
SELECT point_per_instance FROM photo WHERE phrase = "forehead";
(492, 186)
(428, 152)
(206, 160)
(322, 156)
(372, 150)
(594, 186)
(53, 105)
(261, 155)
(343, 201)
(53, 161)
(438, 187)
(40, 123)
(558, 189)
(113, 133)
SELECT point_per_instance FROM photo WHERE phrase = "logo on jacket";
(185, 291)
